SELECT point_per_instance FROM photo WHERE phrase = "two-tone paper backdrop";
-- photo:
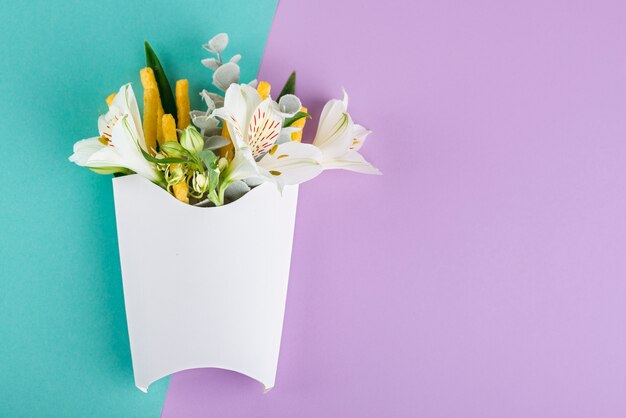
(484, 275)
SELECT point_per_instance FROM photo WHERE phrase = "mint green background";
(64, 344)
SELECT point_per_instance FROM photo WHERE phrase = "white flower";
(339, 139)
(120, 143)
(254, 126)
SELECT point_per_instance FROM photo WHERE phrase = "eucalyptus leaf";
(253, 181)
(290, 86)
(210, 103)
(217, 44)
(165, 91)
(216, 142)
(226, 75)
(202, 120)
(211, 63)
(218, 100)
(236, 190)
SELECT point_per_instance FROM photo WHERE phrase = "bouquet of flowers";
(215, 295)
(214, 156)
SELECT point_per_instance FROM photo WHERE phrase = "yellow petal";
(168, 125)
(150, 118)
(182, 103)
(264, 89)
(110, 99)
(297, 136)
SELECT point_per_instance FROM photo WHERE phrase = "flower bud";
(222, 163)
(176, 174)
(191, 140)
(200, 183)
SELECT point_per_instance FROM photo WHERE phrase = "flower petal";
(359, 134)
(239, 105)
(126, 101)
(334, 132)
(285, 134)
(241, 167)
(84, 149)
(352, 161)
(264, 128)
(125, 152)
(234, 114)
(291, 163)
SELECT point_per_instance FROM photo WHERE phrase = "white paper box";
(204, 287)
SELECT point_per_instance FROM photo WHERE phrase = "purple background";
(484, 275)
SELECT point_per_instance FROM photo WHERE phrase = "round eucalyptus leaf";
(217, 44)
(211, 63)
(226, 75)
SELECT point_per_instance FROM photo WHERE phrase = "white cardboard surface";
(204, 287)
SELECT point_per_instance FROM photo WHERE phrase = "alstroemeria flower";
(254, 126)
(118, 148)
(339, 139)
(253, 123)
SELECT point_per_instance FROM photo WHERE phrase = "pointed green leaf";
(168, 160)
(290, 86)
(291, 120)
(165, 91)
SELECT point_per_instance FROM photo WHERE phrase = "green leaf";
(290, 121)
(290, 86)
(209, 158)
(116, 171)
(165, 91)
(214, 177)
(169, 160)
